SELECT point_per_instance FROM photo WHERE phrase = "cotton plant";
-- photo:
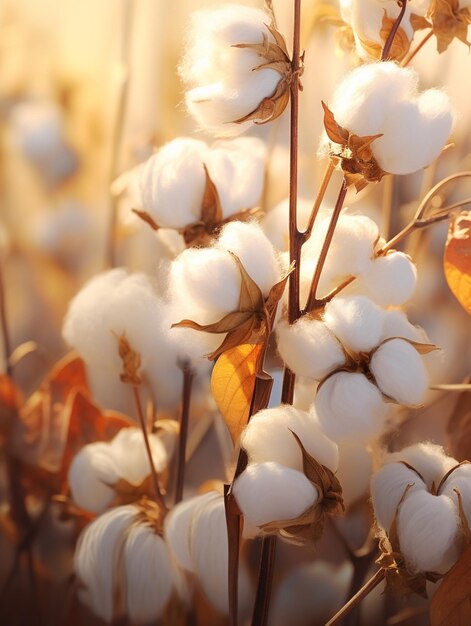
(422, 504)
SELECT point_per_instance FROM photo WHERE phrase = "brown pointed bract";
(449, 22)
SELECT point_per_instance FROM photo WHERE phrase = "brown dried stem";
(318, 201)
(155, 479)
(188, 377)
(408, 58)
(312, 301)
(118, 129)
(390, 40)
(357, 598)
(4, 324)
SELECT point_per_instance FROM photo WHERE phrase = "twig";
(390, 40)
(357, 598)
(408, 58)
(318, 201)
(4, 324)
(388, 203)
(117, 138)
(188, 377)
(155, 479)
(312, 301)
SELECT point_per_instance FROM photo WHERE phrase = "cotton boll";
(427, 531)
(388, 485)
(149, 581)
(207, 280)
(91, 477)
(399, 372)
(172, 183)
(354, 471)
(396, 324)
(268, 492)
(209, 552)
(267, 437)
(356, 321)
(237, 168)
(129, 449)
(177, 527)
(97, 557)
(390, 280)
(248, 242)
(416, 134)
(428, 459)
(349, 406)
(309, 348)
(459, 480)
(224, 86)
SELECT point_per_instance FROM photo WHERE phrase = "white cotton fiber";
(91, 477)
(389, 280)
(427, 531)
(459, 481)
(130, 454)
(388, 485)
(149, 580)
(354, 471)
(268, 492)
(399, 372)
(268, 437)
(172, 183)
(396, 324)
(350, 406)
(356, 321)
(248, 242)
(308, 348)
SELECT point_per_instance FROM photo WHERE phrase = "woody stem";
(183, 435)
(390, 40)
(357, 598)
(4, 324)
(155, 479)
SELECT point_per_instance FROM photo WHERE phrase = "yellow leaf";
(457, 259)
(451, 604)
(233, 382)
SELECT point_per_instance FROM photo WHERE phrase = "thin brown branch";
(388, 205)
(4, 323)
(312, 301)
(118, 128)
(390, 40)
(408, 58)
(318, 201)
(357, 598)
(188, 377)
(155, 478)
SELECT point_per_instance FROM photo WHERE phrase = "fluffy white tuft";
(356, 321)
(354, 471)
(129, 450)
(309, 348)
(459, 481)
(399, 372)
(268, 492)
(390, 280)
(267, 437)
(350, 406)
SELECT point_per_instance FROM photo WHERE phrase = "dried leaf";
(419, 22)
(335, 132)
(458, 429)
(131, 361)
(10, 402)
(233, 382)
(451, 604)
(211, 211)
(457, 259)
(147, 218)
(448, 22)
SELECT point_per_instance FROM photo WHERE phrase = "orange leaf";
(457, 259)
(10, 402)
(451, 604)
(233, 383)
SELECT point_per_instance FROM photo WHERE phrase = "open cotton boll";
(396, 324)
(91, 477)
(208, 281)
(129, 450)
(248, 241)
(209, 552)
(428, 527)
(172, 183)
(350, 406)
(237, 168)
(390, 280)
(223, 85)
(177, 527)
(97, 557)
(399, 372)
(308, 348)
(267, 437)
(149, 579)
(388, 485)
(354, 471)
(428, 459)
(268, 492)
(415, 133)
(356, 321)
